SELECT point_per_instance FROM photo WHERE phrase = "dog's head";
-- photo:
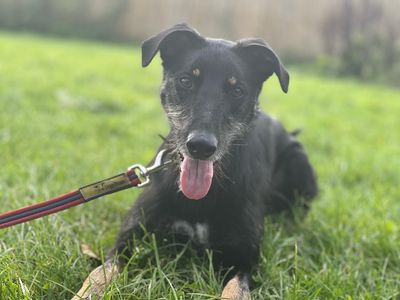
(210, 94)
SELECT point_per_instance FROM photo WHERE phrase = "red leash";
(84, 194)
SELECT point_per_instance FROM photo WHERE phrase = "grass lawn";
(74, 112)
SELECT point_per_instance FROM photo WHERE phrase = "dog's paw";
(96, 283)
(236, 289)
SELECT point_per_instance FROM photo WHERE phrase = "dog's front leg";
(237, 288)
(145, 213)
(237, 282)
(239, 247)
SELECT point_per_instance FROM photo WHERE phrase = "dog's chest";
(197, 232)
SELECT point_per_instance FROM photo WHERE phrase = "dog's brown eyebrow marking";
(196, 72)
(232, 80)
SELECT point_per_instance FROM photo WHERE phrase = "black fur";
(260, 167)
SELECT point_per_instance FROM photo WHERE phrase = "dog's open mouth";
(196, 177)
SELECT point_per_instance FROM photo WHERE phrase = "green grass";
(73, 112)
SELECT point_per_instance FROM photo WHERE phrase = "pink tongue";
(196, 177)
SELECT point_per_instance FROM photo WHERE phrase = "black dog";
(232, 163)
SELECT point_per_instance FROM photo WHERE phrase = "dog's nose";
(201, 145)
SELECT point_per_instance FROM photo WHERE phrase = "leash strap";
(136, 175)
(82, 195)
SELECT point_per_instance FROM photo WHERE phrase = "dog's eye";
(237, 92)
(186, 82)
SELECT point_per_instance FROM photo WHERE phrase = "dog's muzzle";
(197, 167)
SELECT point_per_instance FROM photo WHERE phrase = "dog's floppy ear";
(171, 43)
(263, 59)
